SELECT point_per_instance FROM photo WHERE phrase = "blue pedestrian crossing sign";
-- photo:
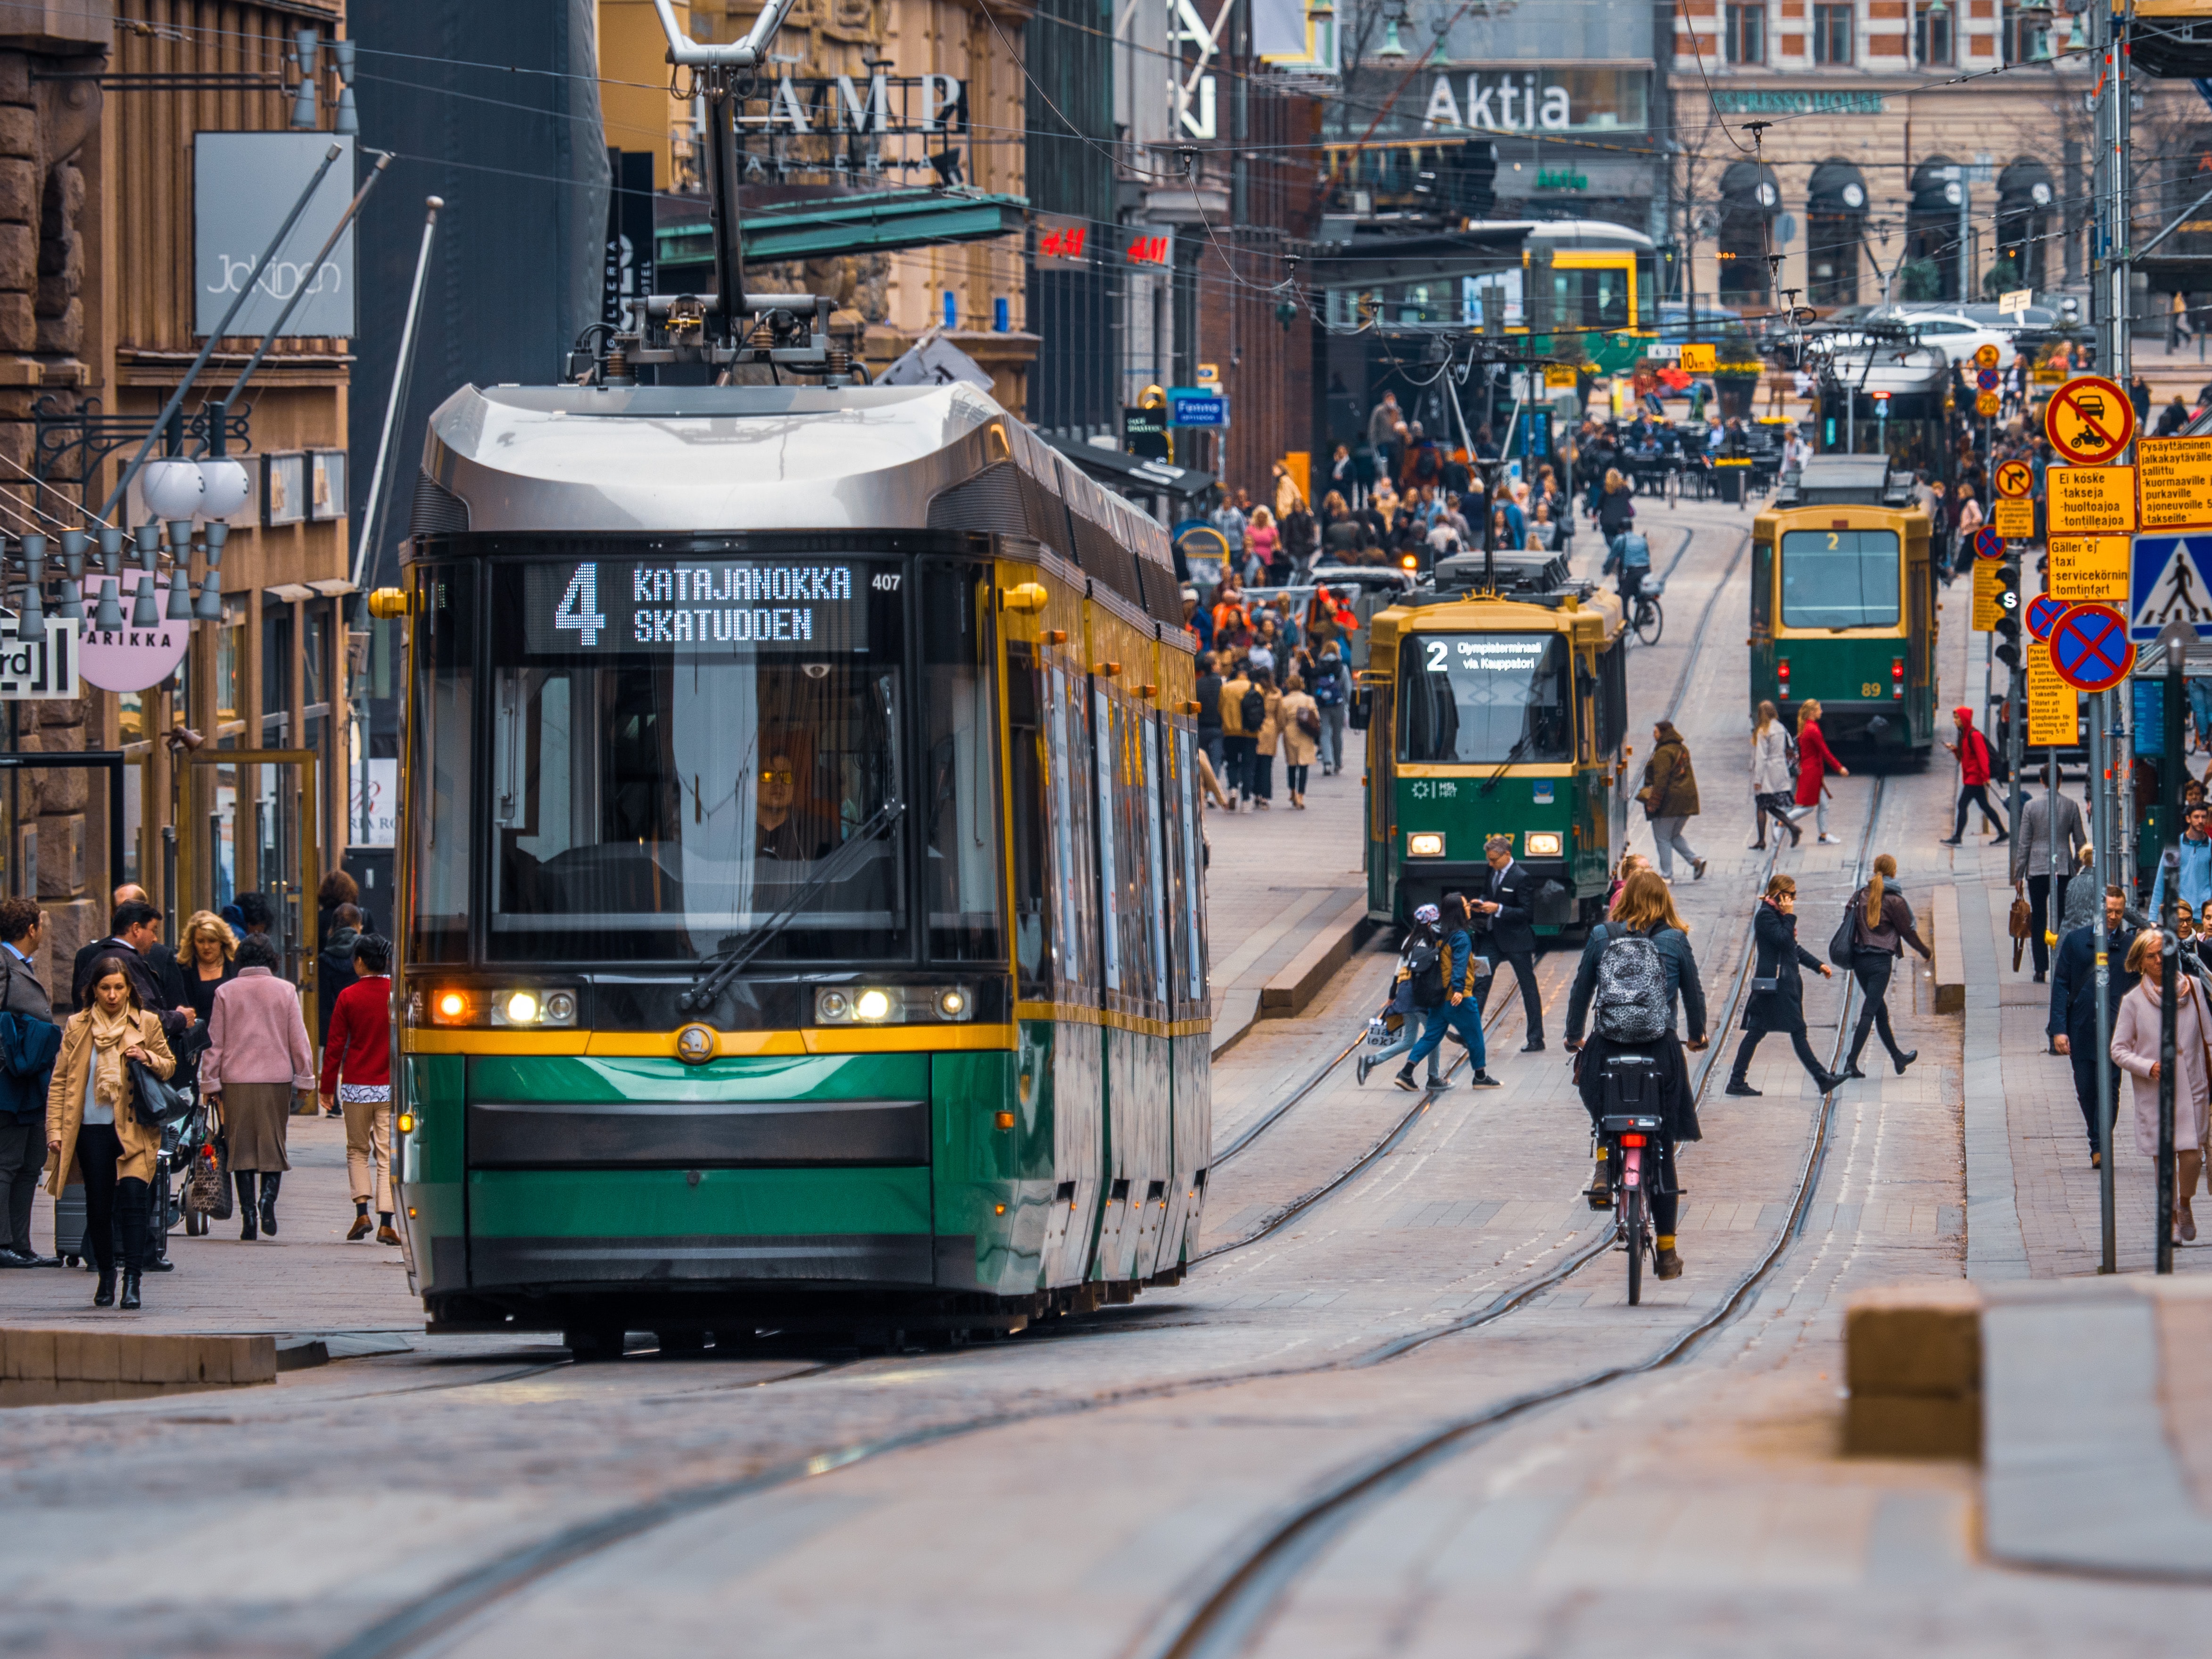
(2170, 581)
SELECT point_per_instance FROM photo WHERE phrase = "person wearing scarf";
(92, 1126)
(2135, 1045)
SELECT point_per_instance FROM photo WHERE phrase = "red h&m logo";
(1064, 244)
(1148, 250)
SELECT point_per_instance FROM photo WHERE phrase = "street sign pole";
(2173, 665)
(2100, 750)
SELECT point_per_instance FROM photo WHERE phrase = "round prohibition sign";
(1987, 544)
(2089, 647)
(2043, 615)
(1986, 379)
(2089, 420)
(2016, 479)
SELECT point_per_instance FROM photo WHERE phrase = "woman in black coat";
(1781, 1008)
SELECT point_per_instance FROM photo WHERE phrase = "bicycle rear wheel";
(1631, 1220)
(1650, 621)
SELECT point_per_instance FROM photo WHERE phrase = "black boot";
(269, 1183)
(1740, 1085)
(1851, 1066)
(130, 1289)
(133, 1203)
(104, 1296)
(244, 1178)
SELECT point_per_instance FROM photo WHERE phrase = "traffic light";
(2008, 629)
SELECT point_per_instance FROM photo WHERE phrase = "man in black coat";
(160, 960)
(1506, 921)
(2073, 1023)
(132, 936)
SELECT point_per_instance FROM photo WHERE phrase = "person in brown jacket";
(1670, 799)
(1262, 783)
(1237, 740)
(1300, 718)
(1881, 927)
(92, 1123)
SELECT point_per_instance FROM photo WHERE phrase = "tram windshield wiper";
(1490, 783)
(726, 965)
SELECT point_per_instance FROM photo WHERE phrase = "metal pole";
(1965, 244)
(177, 398)
(2173, 649)
(373, 507)
(2100, 744)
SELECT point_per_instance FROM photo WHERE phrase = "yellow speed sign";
(1987, 402)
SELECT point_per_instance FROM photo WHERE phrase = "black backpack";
(1424, 963)
(1253, 708)
(1631, 1005)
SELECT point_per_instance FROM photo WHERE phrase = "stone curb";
(53, 1367)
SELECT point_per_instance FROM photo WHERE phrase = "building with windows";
(1826, 151)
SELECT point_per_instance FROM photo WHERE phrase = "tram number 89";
(1869, 687)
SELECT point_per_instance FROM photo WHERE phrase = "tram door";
(246, 825)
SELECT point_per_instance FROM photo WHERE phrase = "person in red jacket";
(1972, 749)
(357, 1070)
(1815, 760)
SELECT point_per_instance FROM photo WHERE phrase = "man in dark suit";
(2073, 1024)
(132, 936)
(160, 960)
(1508, 934)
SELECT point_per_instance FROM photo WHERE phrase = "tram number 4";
(580, 607)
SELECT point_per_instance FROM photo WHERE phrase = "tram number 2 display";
(693, 605)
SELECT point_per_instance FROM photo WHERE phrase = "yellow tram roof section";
(1839, 515)
(1591, 619)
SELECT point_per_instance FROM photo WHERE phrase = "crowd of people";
(204, 1046)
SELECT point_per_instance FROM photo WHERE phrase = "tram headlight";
(872, 1005)
(893, 1005)
(1541, 843)
(527, 1005)
(1425, 844)
(520, 1008)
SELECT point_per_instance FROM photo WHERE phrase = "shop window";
(1746, 35)
(277, 677)
(1834, 29)
(2026, 33)
(230, 674)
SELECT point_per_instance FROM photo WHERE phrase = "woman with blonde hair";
(1881, 927)
(206, 956)
(2135, 1045)
(1815, 760)
(1777, 999)
(1645, 909)
(1771, 782)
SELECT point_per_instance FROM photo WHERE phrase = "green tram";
(1503, 711)
(802, 913)
(1842, 606)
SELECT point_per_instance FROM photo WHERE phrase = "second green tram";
(1500, 713)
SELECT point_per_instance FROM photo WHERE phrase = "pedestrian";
(29, 1041)
(2195, 848)
(1236, 742)
(2139, 396)
(2072, 1024)
(257, 1056)
(334, 967)
(337, 888)
(1670, 799)
(1504, 921)
(1629, 865)
(1881, 927)
(210, 950)
(1300, 717)
(1778, 999)
(1461, 1010)
(1208, 691)
(1261, 542)
(2136, 1045)
(94, 1127)
(1331, 694)
(1645, 909)
(1972, 751)
(134, 935)
(1417, 987)
(1771, 786)
(2172, 418)
(1815, 760)
(1965, 519)
(1229, 519)
(1270, 732)
(2031, 867)
(357, 1080)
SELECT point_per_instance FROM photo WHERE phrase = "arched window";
(1931, 234)
(1835, 229)
(1750, 198)
(2025, 220)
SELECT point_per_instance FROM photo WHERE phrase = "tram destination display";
(693, 605)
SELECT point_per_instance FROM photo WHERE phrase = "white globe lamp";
(225, 488)
(173, 489)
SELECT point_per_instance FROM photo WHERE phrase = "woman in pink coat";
(256, 1056)
(2135, 1049)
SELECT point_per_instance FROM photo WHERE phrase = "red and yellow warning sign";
(1985, 356)
(2053, 706)
(2175, 477)
(2088, 569)
(2089, 420)
(2091, 501)
(2015, 480)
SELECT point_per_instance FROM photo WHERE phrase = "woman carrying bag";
(1670, 799)
(95, 1124)
(1877, 926)
(257, 1054)
(2135, 1043)
(1778, 999)
(1772, 784)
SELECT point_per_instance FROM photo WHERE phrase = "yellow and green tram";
(1842, 606)
(1498, 712)
(802, 913)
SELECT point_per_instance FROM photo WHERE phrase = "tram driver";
(775, 834)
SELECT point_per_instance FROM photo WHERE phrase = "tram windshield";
(1485, 699)
(1839, 579)
(681, 747)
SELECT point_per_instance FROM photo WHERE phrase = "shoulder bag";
(1839, 947)
(157, 1104)
(2020, 923)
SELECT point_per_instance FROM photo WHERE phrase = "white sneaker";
(1831, 840)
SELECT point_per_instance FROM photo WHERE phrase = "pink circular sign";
(130, 658)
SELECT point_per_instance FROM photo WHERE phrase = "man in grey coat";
(2031, 866)
(23, 1129)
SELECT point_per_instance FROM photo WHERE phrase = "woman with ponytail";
(1881, 927)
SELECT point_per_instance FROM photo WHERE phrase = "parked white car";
(1957, 331)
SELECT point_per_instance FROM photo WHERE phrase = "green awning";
(878, 221)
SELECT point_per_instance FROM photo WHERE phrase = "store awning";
(2024, 186)
(1746, 185)
(1133, 472)
(1837, 186)
(874, 221)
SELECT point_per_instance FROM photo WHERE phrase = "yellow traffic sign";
(2015, 520)
(1987, 403)
(2049, 377)
(2015, 479)
(1699, 359)
(2053, 706)
(1559, 375)
(2091, 501)
(1985, 358)
(2090, 569)
(1987, 608)
(2175, 477)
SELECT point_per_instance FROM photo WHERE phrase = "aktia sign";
(1511, 101)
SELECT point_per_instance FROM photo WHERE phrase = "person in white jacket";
(1771, 782)
(2135, 1043)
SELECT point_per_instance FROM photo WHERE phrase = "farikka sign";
(1758, 101)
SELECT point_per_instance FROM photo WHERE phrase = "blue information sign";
(1196, 406)
(2171, 582)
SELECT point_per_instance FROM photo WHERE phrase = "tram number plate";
(1871, 689)
(703, 604)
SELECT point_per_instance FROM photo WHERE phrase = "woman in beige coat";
(1270, 734)
(93, 1124)
(1300, 745)
(2135, 1042)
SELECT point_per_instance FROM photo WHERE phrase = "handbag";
(2020, 923)
(157, 1105)
(1846, 935)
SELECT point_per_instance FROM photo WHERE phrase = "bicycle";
(1647, 618)
(1627, 1139)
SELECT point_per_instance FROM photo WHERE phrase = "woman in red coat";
(1815, 760)
(357, 1071)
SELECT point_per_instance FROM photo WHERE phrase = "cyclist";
(1633, 555)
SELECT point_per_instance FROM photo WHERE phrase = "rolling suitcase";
(69, 1226)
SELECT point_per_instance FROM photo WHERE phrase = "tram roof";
(727, 460)
(1591, 615)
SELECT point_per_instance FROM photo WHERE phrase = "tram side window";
(1067, 741)
(1840, 579)
(961, 704)
(1485, 699)
(1762, 585)
(1611, 700)
(1157, 982)
(1029, 765)
(445, 679)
